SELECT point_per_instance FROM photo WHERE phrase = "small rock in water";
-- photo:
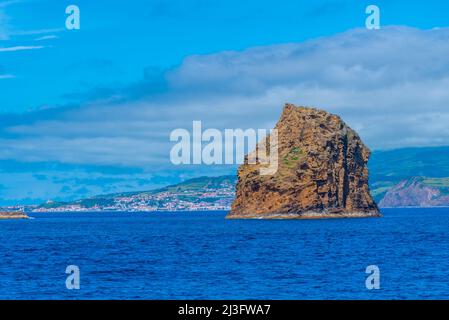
(13, 215)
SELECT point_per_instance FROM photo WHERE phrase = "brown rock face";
(322, 172)
(13, 215)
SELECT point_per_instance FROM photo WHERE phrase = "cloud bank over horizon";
(390, 85)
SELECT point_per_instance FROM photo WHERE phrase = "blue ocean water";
(203, 256)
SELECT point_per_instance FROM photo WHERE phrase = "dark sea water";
(204, 256)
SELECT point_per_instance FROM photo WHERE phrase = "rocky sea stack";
(322, 172)
(13, 215)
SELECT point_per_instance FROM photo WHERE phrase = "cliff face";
(322, 172)
(416, 192)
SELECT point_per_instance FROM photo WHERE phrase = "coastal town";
(201, 194)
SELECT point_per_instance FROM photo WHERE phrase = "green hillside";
(199, 184)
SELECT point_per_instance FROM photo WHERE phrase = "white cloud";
(4, 19)
(20, 48)
(4, 4)
(7, 31)
(7, 76)
(3, 25)
(49, 37)
(36, 32)
(390, 85)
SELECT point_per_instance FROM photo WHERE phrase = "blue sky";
(116, 41)
(88, 111)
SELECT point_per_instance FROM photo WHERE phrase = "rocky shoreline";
(13, 215)
(307, 216)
